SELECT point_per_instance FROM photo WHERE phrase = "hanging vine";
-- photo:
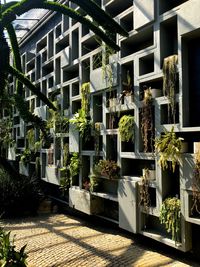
(145, 200)
(147, 125)
(169, 84)
(97, 128)
(170, 216)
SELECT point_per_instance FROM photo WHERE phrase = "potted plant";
(170, 216)
(108, 169)
(168, 146)
(127, 92)
(126, 128)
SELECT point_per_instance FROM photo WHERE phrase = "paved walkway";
(62, 240)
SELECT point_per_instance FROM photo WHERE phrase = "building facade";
(59, 55)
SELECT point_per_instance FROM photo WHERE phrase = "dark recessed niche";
(146, 64)
(97, 108)
(111, 147)
(127, 147)
(137, 42)
(166, 115)
(127, 22)
(133, 167)
(118, 6)
(168, 38)
(191, 81)
(165, 6)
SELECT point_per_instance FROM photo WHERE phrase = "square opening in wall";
(146, 64)
(75, 89)
(127, 22)
(194, 207)
(76, 105)
(137, 42)
(168, 38)
(166, 115)
(111, 147)
(165, 6)
(97, 108)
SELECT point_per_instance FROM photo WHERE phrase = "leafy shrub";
(19, 195)
(9, 257)
(107, 168)
(126, 128)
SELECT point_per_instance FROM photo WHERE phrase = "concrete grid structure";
(59, 55)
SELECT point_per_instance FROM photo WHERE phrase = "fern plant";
(170, 216)
(168, 147)
(126, 128)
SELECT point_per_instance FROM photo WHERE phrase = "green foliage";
(19, 195)
(74, 165)
(81, 121)
(126, 128)
(6, 138)
(107, 168)
(168, 146)
(85, 98)
(170, 215)
(95, 183)
(65, 178)
(9, 256)
(26, 156)
(81, 118)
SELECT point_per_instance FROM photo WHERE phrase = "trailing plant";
(9, 256)
(168, 147)
(85, 98)
(107, 168)
(74, 165)
(81, 119)
(66, 157)
(147, 125)
(169, 83)
(145, 200)
(196, 185)
(126, 128)
(97, 129)
(170, 216)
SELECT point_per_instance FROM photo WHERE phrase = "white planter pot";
(196, 147)
(150, 174)
(156, 92)
(128, 99)
(113, 102)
